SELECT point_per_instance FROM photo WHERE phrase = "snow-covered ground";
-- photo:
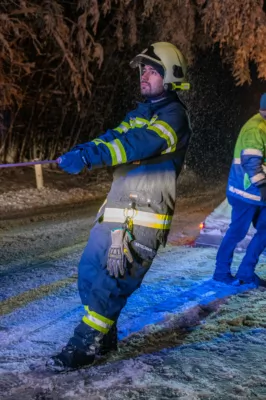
(181, 336)
(18, 191)
(215, 227)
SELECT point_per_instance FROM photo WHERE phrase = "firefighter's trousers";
(102, 295)
(243, 214)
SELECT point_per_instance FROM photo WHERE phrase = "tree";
(52, 51)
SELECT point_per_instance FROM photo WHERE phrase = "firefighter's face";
(151, 82)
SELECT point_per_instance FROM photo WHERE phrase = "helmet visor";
(146, 60)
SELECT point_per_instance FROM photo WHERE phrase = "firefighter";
(246, 192)
(147, 150)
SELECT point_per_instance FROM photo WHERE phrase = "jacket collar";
(154, 105)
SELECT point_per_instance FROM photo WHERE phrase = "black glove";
(263, 192)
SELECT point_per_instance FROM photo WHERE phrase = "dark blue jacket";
(148, 150)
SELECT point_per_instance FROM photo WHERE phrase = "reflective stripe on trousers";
(97, 321)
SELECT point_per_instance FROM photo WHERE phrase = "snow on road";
(173, 342)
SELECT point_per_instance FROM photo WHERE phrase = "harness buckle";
(130, 213)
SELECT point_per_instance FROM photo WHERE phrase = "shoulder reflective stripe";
(258, 177)
(138, 122)
(98, 141)
(123, 127)
(252, 152)
(125, 124)
(168, 129)
(141, 121)
(153, 119)
(236, 161)
(157, 221)
(119, 129)
(244, 194)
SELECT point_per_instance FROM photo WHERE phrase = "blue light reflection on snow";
(158, 297)
(180, 278)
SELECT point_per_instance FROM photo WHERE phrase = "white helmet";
(170, 58)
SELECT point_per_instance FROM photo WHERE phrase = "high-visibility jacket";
(148, 150)
(248, 168)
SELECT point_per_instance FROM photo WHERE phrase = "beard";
(147, 91)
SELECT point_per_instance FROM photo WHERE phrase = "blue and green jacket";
(248, 168)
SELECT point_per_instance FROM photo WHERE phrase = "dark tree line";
(64, 63)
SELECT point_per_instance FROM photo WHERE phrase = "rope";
(26, 164)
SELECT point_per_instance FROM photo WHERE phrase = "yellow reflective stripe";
(116, 149)
(138, 124)
(119, 129)
(110, 147)
(164, 226)
(141, 121)
(168, 130)
(252, 152)
(169, 150)
(141, 218)
(113, 153)
(139, 214)
(123, 127)
(161, 134)
(244, 194)
(153, 119)
(98, 141)
(107, 321)
(121, 151)
(105, 201)
(125, 124)
(94, 325)
(258, 177)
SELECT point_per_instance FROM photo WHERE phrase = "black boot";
(83, 348)
(109, 341)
